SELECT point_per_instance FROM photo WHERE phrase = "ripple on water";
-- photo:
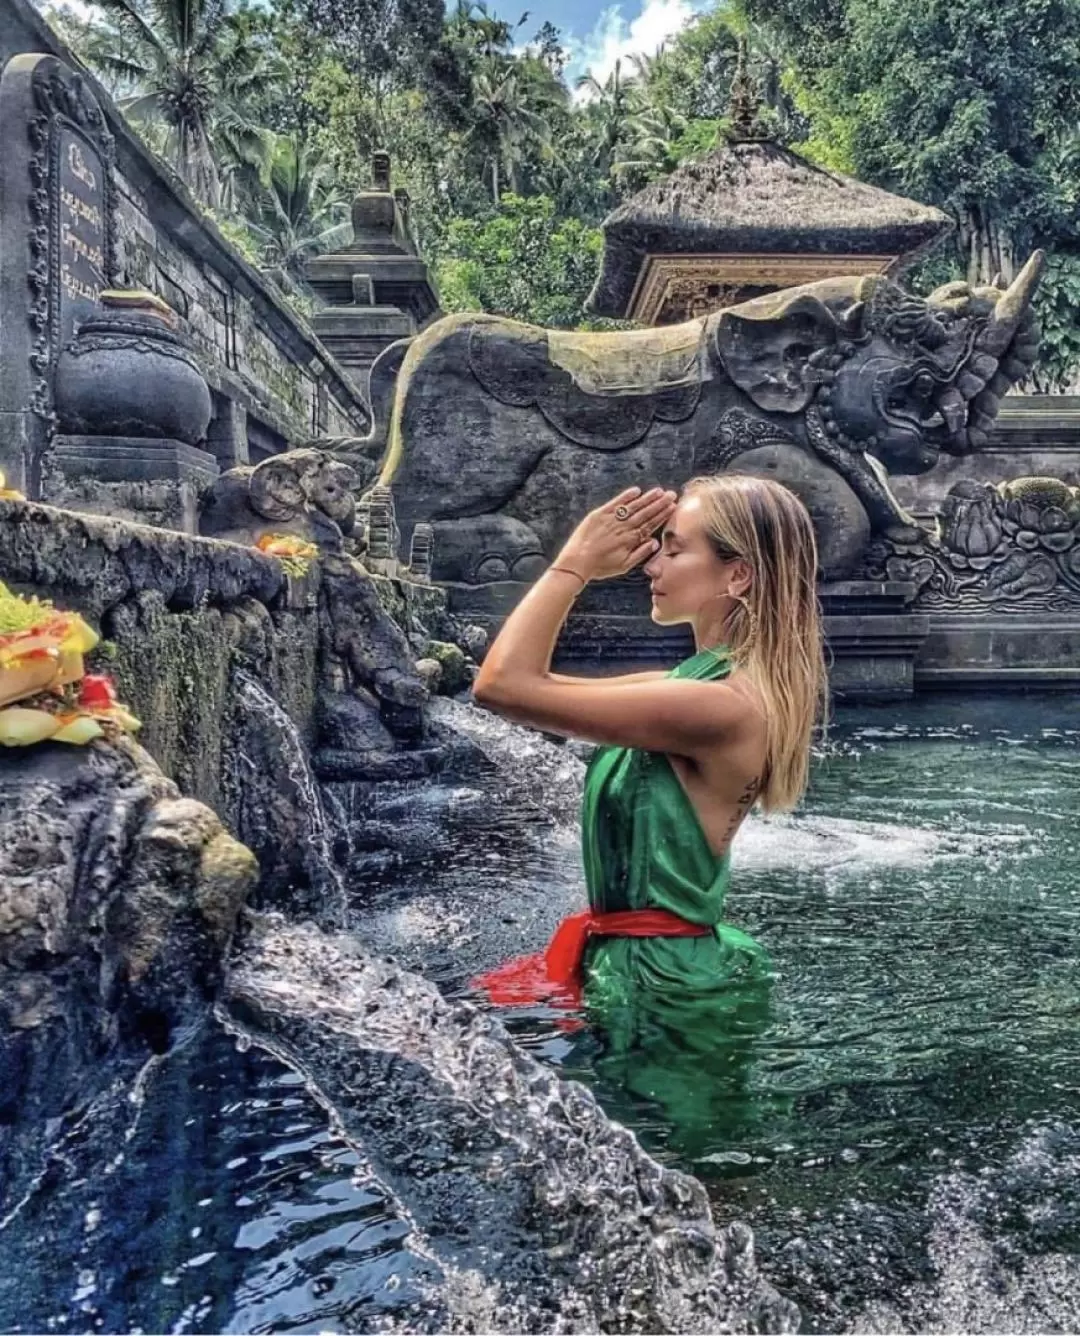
(921, 914)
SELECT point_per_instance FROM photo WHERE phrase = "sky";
(597, 34)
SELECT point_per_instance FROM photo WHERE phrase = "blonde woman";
(684, 754)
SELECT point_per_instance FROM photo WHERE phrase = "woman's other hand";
(617, 536)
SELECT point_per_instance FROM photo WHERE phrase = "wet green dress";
(678, 1012)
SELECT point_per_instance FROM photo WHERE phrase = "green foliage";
(1056, 305)
(521, 262)
(271, 110)
(238, 233)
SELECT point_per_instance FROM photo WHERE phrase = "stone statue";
(303, 492)
(1011, 546)
(500, 435)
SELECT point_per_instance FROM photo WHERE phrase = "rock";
(118, 901)
(430, 673)
(451, 659)
(474, 641)
(351, 720)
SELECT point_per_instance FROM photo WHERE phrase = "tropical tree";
(511, 119)
(956, 104)
(182, 69)
(295, 207)
(524, 262)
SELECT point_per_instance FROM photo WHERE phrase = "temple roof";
(752, 196)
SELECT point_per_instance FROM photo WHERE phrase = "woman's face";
(686, 575)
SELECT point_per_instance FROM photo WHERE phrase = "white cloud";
(614, 38)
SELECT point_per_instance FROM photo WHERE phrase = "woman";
(685, 754)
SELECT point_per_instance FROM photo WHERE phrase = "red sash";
(556, 974)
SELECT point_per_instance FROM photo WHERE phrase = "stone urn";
(129, 372)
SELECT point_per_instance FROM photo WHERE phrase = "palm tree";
(187, 74)
(297, 208)
(511, 116)
(616, 115)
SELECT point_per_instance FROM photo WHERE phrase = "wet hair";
(767, 525)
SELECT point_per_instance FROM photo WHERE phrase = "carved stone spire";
(744, 109)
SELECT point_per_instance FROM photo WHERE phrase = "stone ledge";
(96, 563)
(131, 459)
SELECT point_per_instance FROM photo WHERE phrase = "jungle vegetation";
(270, 113)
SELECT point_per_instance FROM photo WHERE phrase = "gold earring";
(751, 615)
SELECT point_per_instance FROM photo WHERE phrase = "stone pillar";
(57, 243)
(420, 551)
(226, 437)
(382, 532)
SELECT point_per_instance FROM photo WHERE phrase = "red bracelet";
(566, 570)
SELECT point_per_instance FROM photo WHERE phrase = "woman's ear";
(742, 577)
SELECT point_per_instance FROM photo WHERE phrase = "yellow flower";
(9, 493)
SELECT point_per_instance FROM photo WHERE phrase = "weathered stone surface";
(1013, 547)
(307, 493)
(375, 651)
(118, 900)
(271, 380)
(98, 562)
(127, 373)
(504, 434)
(456, 675)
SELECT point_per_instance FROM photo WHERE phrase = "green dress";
(679, 1014)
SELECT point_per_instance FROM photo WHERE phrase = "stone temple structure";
(376, 289)
(748, 218)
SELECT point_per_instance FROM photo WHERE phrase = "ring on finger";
(622, 512)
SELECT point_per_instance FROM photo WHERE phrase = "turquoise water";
(922, 914)
(901, 1131)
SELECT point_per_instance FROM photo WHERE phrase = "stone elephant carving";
(501, 435)
(305, 492)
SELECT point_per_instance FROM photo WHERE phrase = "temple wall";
(272, 380)
(1036, 435)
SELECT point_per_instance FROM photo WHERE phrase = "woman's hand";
(617, 536)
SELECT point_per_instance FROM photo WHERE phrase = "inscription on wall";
(81, 229)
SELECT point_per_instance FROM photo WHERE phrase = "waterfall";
(286, 770)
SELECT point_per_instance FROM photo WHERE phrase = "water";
(908, 1117)
(278, 796)
(903, 1139)
(219, 1202)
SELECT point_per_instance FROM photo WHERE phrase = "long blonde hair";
(776, 637)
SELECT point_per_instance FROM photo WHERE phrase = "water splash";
(512, 1174)
(989, 1277)
(554, 775)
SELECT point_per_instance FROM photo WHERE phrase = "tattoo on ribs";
(746, 798)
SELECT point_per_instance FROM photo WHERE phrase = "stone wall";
(1036, 435)
(272, 380)
(252, 676)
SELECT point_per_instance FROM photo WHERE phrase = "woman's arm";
(655, 712)
(677, 715)
(620, 680)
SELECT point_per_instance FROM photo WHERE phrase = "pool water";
(921, 1064)
(900, 1128)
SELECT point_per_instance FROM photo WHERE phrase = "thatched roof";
(755, 197)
